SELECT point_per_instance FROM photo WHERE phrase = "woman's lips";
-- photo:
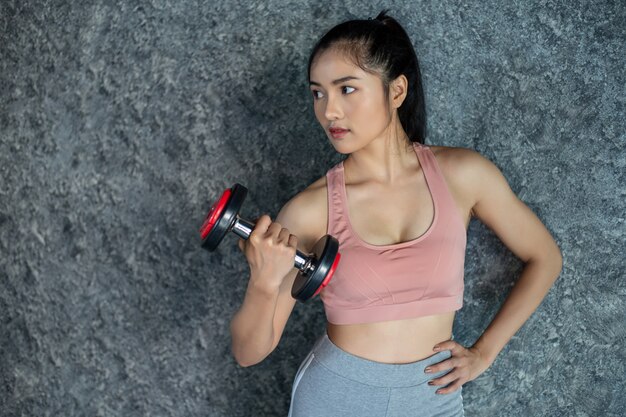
(338, 133)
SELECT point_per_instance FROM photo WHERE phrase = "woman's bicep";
(497, 206)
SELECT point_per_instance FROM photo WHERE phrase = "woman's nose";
(333, 110)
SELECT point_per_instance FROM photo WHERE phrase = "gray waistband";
(374, 373)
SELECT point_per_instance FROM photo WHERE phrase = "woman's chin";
(339, 148)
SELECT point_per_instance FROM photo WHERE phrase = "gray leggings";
(332, 382)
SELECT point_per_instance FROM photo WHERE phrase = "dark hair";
(382, 47)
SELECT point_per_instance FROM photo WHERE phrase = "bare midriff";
(395, 342)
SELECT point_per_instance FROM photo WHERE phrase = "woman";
(400, 210)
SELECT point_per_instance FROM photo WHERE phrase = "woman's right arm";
(258, 325)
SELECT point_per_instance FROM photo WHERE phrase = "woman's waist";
(397, 341)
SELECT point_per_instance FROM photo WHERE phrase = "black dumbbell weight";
(316, 269)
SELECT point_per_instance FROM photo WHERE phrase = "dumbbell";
(316, 269)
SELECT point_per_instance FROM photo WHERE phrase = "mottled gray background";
(121, 122)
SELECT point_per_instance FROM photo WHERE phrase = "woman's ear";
(398, 90)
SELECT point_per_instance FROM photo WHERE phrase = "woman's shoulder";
(458, 162)
(308, 209)
(452, 152)
(467, 171)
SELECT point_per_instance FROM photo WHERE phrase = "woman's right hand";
(270, 250)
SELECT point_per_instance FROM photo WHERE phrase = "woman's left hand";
(468, 363)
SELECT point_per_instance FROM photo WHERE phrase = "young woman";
(400, 210)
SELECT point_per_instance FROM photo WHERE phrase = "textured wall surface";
(121, 122)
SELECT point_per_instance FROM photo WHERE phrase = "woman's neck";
(383, 160)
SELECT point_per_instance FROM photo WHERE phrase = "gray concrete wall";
(121, 122)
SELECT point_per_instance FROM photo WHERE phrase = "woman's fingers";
(448, 363)
(450, 388)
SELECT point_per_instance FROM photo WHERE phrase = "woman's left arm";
(497, 206)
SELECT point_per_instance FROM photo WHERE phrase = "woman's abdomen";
(398, 341)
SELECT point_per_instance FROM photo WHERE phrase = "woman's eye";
(314, 92)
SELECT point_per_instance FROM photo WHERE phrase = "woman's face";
(354, 104)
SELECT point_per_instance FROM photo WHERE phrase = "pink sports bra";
(415, 278)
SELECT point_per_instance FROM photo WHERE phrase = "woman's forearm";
(252, 326)
(531, 288)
